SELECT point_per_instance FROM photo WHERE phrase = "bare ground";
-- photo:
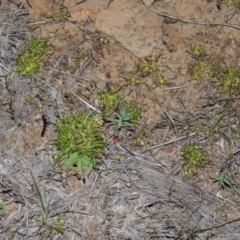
(160, 203)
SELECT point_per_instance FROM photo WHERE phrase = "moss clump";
(193, 155)
(235, 3)
(108, 99)
(148, 65)
(229, 81)
(29, 58)
(203, 69)
(133, 80)
(79, 139)
(197, 50)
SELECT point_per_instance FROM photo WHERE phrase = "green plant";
(61, 16)
(133, 80)
(79, 57)
(203, 69)
(108, 99)
(1, 207)
(29, 58)
(160, 80)
(102, 39)
(58, 225)
(79, 139)
(128, 184)
(148, 65)
(124, 119)
(133, 109)
(222, 180)
(229, 81)
(193, 155)
(235, 3)
(197, 50)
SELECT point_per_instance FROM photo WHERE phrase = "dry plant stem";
(174, 88)
(193, 22)
(72, 75)
(166, 143)
(87, 104)
(44, 207)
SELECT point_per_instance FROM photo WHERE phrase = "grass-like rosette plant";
(123, 119)
(79, 139)
(229, 81)
(127, 116)
(222, 180)
(193, 155)
(28, 59)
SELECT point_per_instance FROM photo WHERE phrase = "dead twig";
(193, 22)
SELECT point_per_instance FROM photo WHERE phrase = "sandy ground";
(161, 203)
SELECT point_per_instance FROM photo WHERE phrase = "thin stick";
(173, 88)
(69, 74)
(83, 101)
(44, 207)
(193, 22)
(166, 143)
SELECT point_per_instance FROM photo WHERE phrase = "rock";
(148, 2)
(133, 25)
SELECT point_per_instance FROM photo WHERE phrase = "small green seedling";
(79, 57)
(203, 70)
(222, 180)
(197, 50)
(124, 119)
(193, 155)
(61, 16)
(128, 184)
(229, 81)
(160, 80)
(29, 58)
(148, 65)
(102, 40)
(108, 99)
(133, 80)
(79, 139)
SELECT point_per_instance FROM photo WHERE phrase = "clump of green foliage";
(197, 50)
(203, 69)
(102, 39)
(79, 139)
(108, 99)
(148, 65)
(79, 57)
(193, 155)
(61, 16)
(235, 3)
(229, 81)
(29, 58)
(133, 80)
(160, 80)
